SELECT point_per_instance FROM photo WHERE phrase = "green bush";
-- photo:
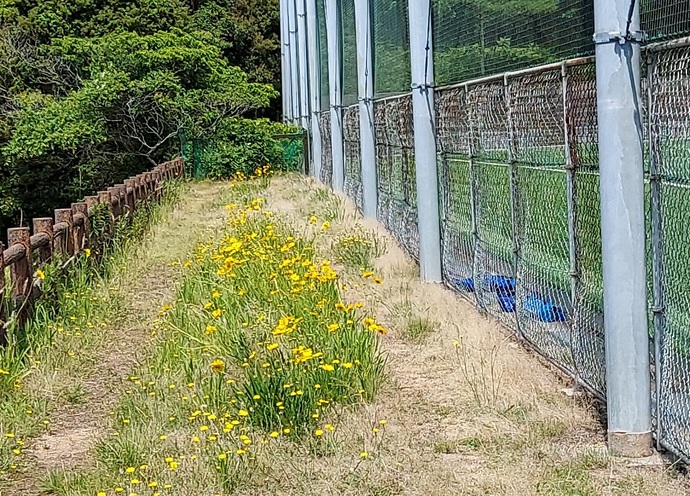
(243, 145)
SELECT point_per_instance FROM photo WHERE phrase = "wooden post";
(90, 202)
(82, 234)
(115, 202)
(20, 271)
(64, 216)
(129, 195)
(3, 334)
(44, 225)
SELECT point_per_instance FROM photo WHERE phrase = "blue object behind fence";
(543, 309)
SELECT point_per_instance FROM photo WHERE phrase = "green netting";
(323, 53)
(391, 47)
(349, 67)
(664, 19)
(474, 38)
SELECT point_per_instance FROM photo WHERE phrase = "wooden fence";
(66, 235)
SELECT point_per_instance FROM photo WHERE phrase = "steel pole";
(365, 90)
(314, 86)
(335, 80)
(422, 65)
(303, 56)
(286, 77)
(619, 116)
(294, 61)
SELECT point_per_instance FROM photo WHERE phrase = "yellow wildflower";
(218, 366)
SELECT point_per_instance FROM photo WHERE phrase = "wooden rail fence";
(67, 235)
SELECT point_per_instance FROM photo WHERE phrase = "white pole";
(305, 102)
(294, 61)
(336, 95)
(422, 65)
(314, 86)
(619, 114)
(365, 90)
(285, 62)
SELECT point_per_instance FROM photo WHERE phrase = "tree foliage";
(92, 91)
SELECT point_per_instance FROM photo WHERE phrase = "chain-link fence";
(519, 180)
(326, 171)
(395, 170)
(353, 165)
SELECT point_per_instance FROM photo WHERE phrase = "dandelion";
(329, 427)
(313, 219)
(243, 413)
(326, 225)
(328, 367)
(87, 252)
(40, 274)
(101, 493)
(363, 454)
(218, 366)
(318, 432)
(383, 421)
(211, 329)
(130, 470)
(217, 313)
(274, 434)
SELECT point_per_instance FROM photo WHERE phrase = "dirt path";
(150, 283)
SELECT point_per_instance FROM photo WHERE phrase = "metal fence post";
(422, 66)
(619, 113)
(335, 80)
(285, 62)
(314, 87)
(365, 90)
(303, 55)
(294, 61)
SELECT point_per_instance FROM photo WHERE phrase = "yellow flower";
(318, 432)
(130, 470)
(313, 219)
(243, 413)
(326, 225)
(101, 493)
(333, 327)
(364, 454)
(87, 252)
(211, 329)
(327, 367)
(218, 366)
(216, 313)
(40, 274)
(329, 427)
(383, 421)
(274, 434)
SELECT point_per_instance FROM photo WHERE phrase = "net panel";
(543, 286)
(670, 146)
(397, 192)
(475, 38)
(349, 51)
(665, 19)
(456, 177)
(353, 165)
(391, 47)
(326, 175)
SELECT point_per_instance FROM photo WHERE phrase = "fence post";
(294, 61)
(3, 334)
(314, 87)
(44, 225)
(64, 215)
(422, 65)
(365, 90)
(80, 210)
(335, 77)
(286, 67)
(617, 39)
(303, 54)
(20, 271)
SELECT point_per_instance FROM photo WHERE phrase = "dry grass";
(469, 411)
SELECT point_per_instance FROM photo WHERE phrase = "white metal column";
(314, 86)
(619, 114)
(294, 61)
(302, 50)
(286, 76)
(422, 65)
(365, 89)
(335, 80)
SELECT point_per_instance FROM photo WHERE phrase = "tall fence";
(67, 235)
(518, 176)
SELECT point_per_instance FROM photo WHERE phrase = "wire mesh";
(397, 192)
(665, 19)
(474, 38)
(353, 165)
(391, 47)
(322, 54)
(670, 147)
(349, 50)
(326, 175)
